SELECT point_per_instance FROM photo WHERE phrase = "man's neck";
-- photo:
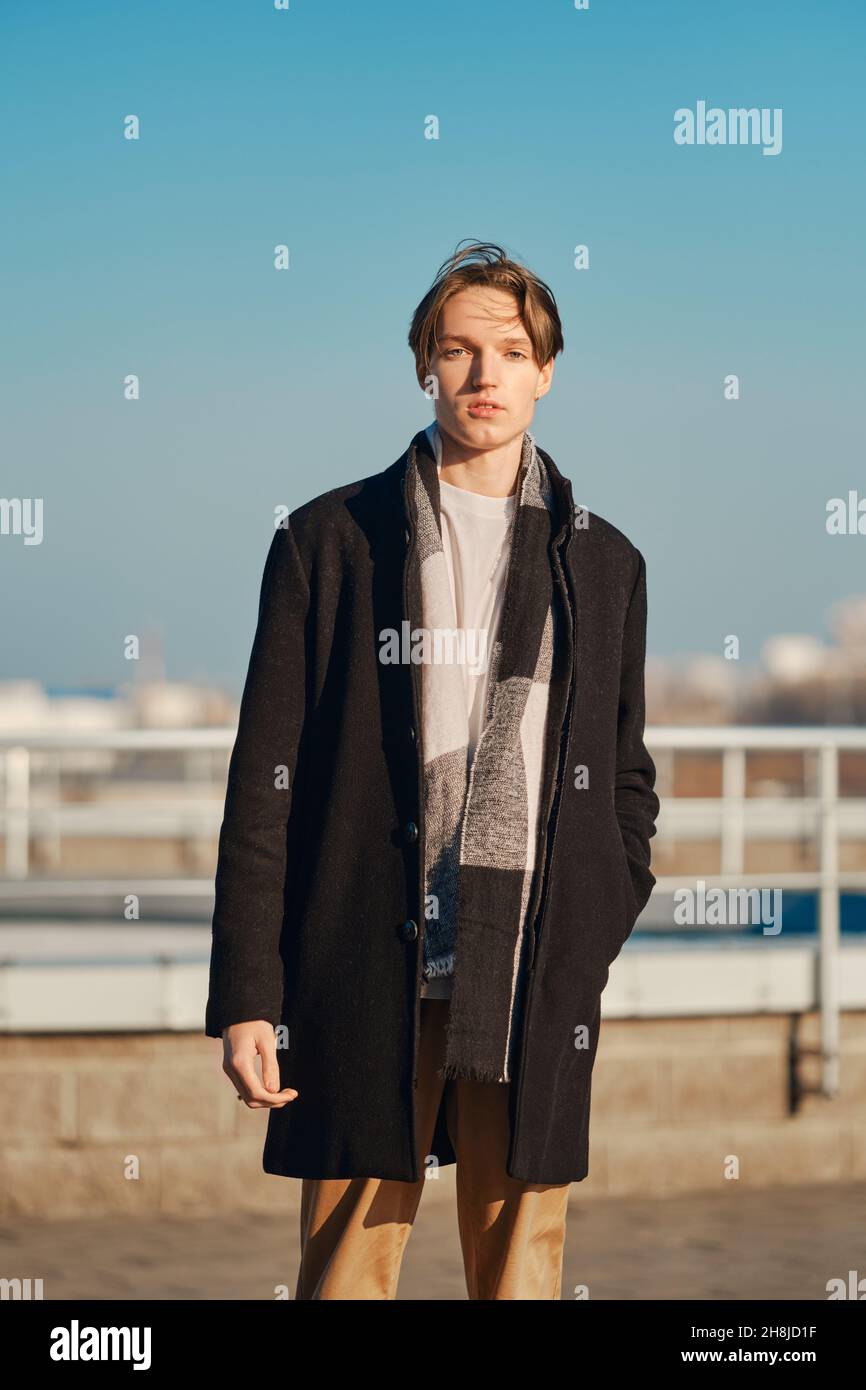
(492, 473)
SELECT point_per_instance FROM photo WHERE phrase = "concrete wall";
(672, 1099)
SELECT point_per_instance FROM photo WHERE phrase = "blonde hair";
(484, 263)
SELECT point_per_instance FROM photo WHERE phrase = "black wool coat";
(319, 908)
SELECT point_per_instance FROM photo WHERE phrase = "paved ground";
(739, 1244)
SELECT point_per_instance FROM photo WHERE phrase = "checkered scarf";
(482, 824)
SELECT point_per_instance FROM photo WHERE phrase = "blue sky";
(306, 127)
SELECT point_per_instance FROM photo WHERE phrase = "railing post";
(732, 851)
(17, 761)
(828, 919)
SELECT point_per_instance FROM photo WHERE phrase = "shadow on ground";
(784, 1243)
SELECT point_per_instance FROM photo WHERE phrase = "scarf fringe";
(461, 1071)
(437, 968)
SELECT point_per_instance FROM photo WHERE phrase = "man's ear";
(545, 381)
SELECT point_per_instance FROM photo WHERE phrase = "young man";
(437, 823)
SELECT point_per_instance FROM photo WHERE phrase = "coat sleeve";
(246, 969)
(636, 803)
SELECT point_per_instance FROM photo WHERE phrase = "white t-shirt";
(475, 536)
(476, 540)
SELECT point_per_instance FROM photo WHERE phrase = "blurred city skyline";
(796, 680)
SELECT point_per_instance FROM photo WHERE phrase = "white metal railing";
(190, 809)
(820, 815)
(23, 818)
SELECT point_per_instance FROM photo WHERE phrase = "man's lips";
(485, 408)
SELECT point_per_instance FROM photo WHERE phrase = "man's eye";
(514, 352)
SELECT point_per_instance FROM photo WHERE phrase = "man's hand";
(241, 1043)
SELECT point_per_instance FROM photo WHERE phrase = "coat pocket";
(614, 898)
(626, 873)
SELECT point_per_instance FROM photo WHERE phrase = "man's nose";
(485, 372)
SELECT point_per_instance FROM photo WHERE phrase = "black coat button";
(411, 732)
(406, 534)
(410, 832)
(409, 930)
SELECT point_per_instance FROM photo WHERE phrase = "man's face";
(484, 352)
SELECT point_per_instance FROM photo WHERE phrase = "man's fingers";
(254, 1093)
(273, 1101)
(243, 1073)
(241, 1045)
(270, 1067)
